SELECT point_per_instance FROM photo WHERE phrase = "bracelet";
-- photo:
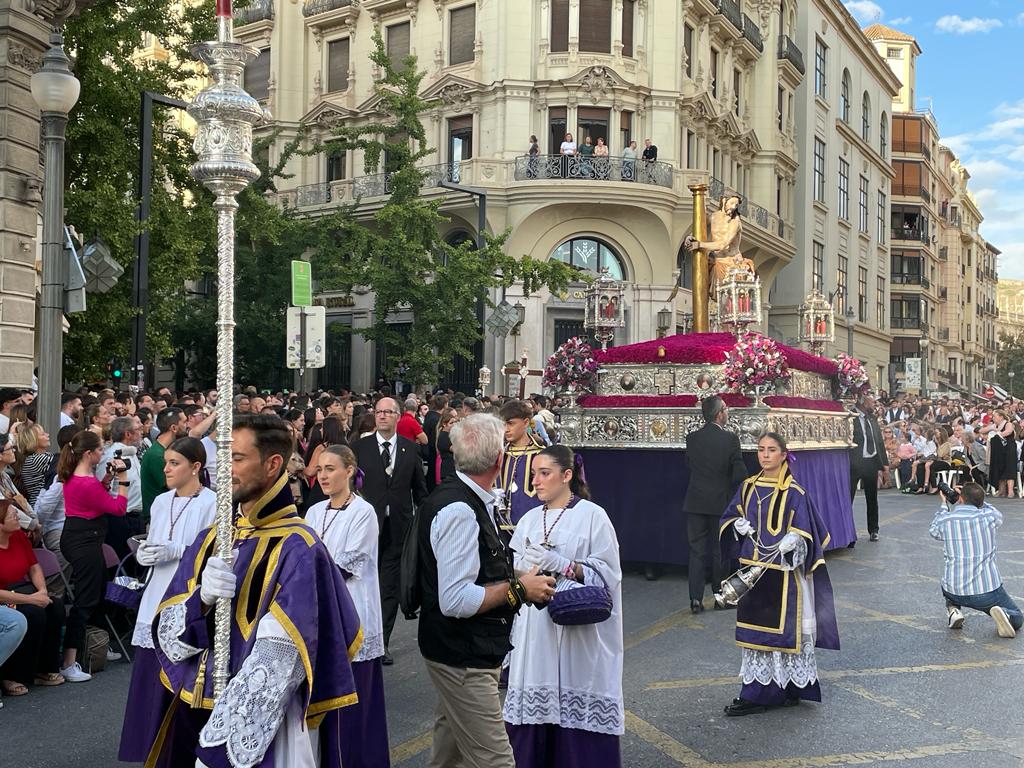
(516, 594)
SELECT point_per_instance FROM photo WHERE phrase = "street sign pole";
(302, 349)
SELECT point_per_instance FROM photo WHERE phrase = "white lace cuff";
(247, 716)
(354, 562)
(798, 555)
(169, 630)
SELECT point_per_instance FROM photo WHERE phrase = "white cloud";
(864, 11)
(901, 21)
(961, 26)
(1019, 21)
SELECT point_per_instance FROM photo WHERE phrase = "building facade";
(712, 84)
(943, 272)
(843, 189)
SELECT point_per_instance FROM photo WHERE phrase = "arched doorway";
(590, 254)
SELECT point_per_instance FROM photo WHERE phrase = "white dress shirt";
(454, 535)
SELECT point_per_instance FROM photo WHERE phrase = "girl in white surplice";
(564, 705)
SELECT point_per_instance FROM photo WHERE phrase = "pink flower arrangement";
(571, 367)
(704, 348)
(853, 379)
(755, 361)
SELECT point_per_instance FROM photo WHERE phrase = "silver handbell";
(738, 584)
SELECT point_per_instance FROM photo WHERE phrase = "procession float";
(629, 409)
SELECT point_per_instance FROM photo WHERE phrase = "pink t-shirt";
(85, 496)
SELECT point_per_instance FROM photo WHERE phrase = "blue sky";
(970, 75)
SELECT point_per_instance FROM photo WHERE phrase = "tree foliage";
(400, 254)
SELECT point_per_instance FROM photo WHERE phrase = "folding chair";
(68, 593)
(111, 560)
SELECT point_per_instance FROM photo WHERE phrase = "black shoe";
(651, 573)
(723, 606)
(873, 536)
(387, 661)
(696, 606)
(741, 707)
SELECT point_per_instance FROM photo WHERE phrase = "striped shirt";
(968, 537)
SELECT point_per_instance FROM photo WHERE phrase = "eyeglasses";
(386, 413)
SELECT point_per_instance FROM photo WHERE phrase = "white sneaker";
(1003, 626)
(75, 674)
(113, 655)
(956, 617)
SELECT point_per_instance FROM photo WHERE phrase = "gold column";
(701, 322)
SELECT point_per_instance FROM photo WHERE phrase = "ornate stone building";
(712, 83)
(24, 34)
(844, 188)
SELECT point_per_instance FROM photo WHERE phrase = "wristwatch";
(124, 483)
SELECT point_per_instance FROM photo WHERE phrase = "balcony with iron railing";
(730, 9)
(256, 10)
(375, 185)
(944, 253)
(752, 33)
(907, 323)
(900, 232)
(316, 7)
(911, 190)
(790, 52)
(943, 292)
(912, 148)
(750, 211)
(580, 168)
(943, 334)
(910, 278)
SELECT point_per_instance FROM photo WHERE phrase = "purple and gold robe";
(284, 572)
(769, 617)
(516, 479)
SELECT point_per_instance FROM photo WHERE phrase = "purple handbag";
(581, 605)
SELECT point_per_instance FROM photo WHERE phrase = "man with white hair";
(409, 426)
(470, 594)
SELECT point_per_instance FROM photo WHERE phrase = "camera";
(952, 494)
(117, 455)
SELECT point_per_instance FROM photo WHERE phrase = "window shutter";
(628, 12)
(337, 65)
(398, 44)
(559, 25)
(257, 76)
(596, 26)
(462, 29)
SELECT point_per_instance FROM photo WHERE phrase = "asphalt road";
(903, 689)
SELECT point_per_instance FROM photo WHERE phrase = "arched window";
(590, 254)
(883, 135)
(844, 98)
(865, 121)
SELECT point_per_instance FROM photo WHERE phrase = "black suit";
(429, 451)
(864, 469)
(394, 499)
(716, 470)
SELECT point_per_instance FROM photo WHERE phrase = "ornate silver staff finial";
(225, 115)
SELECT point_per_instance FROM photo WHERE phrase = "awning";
(992, 391)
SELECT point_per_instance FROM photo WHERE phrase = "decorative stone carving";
(454, 95)
(52, 11)
(598, 82)
(23, 57)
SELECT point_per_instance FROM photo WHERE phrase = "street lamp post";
(850, 315)
(1011, 374)
(924, 366)
(56, 91)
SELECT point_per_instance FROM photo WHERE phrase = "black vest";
(479, 641)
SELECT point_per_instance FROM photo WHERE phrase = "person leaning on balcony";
(601, 159)
(650, 157)
(534, 153)
(567, 150)
(629, 162)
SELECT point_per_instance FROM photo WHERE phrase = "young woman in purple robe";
(771, 522)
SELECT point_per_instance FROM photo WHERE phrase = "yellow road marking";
(866, 758)
(838, 674)
(903, 621)
(664, 743)
(679, 618)
(411, 748)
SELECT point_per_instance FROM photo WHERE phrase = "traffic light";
(115, 373)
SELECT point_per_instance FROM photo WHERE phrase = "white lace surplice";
(352, 541)
(800, 669)
(569, 676)
(260, 708)
(196, 517)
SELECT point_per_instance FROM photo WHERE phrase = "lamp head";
(54, 87)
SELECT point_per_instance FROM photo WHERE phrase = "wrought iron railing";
(256, 10)
(909, 278)
(374, 185)
(750, 211)
(314, 7)
(752, 33)
(944, 253)
(790, 51)
(590, 168)
(906, 323)
(910, 233)
(731, 10)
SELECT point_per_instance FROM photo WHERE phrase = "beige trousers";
(469, 729)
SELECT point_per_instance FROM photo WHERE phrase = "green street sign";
(302, 284)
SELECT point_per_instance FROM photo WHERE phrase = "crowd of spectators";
(99, 493)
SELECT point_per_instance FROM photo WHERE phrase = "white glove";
(788, 543)
(147, 554)
(742, 526)
(545, 559)
(217, 580)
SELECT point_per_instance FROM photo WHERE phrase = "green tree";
(102, 173)
(400, 255)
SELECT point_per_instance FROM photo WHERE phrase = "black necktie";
(869, 437)
(385, 456)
